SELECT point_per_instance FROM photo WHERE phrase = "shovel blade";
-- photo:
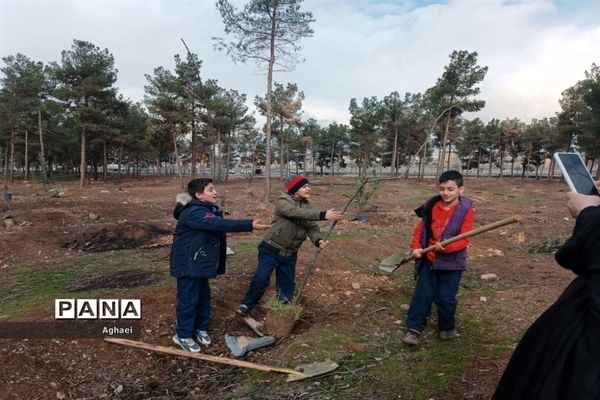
(388, 268)
(310, 370)
(391, 263)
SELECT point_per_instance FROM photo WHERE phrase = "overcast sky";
(534, 48)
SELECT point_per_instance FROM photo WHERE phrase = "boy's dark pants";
(193, 306)
(436, 286)
(285, 272)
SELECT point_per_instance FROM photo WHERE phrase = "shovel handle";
(473, 232)
(205, 357)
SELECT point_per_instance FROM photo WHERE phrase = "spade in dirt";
(304, 371)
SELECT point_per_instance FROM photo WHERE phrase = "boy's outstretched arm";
(258, 225)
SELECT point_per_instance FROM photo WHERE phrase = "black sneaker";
(242, 310)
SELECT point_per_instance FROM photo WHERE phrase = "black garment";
(559, 355)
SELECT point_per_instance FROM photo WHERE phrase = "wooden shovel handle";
(205, 357)
(473, 232)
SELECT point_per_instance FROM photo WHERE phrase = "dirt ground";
(67, 222)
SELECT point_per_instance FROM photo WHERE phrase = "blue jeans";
(193, 306)
(285, 273)
(434, 286)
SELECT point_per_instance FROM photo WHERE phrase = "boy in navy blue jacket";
(439, 271)
(197, 254)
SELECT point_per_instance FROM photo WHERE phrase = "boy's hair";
(197, 185)
(451, 175)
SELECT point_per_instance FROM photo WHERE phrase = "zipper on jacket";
(200, 252)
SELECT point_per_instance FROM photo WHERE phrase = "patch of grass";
(373, 362)
(549, 246)
(286, 309)
(522, 200)
(348, 235)
(244, 259)
(28, 288)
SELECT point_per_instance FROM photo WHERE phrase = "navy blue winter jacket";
(199, 245)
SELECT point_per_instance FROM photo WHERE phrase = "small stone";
(489, 277)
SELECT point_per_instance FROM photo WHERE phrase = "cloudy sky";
(534, 48)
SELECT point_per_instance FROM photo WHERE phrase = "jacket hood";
(181, 200)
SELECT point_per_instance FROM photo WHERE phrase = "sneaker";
(187, 344)
(242, 310)
(203, 338)
(447, 335)
(412, 337)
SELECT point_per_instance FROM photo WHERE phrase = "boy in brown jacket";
(293, 222)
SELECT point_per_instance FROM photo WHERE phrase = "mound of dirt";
(117, 237)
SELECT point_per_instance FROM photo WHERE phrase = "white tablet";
(575, 173)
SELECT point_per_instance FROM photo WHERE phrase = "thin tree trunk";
(26, 175)
(468, 164)
(267, 196)
(6, 166)
(478, 161)
(394, 168)
(281, 176)
(82, 163)
(194, 140)
(442, 157)
(119, 164)
(11, 164)
(227, 156)
(42, 153)
(177, 159)
(423, 161)
(449, 154)
(331, 162)
(219, 160)
(105, 161)
(314, 165)
(501, 163)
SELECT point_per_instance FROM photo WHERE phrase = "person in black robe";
(559, 355)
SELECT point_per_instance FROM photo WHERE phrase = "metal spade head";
(391, 263)
(313, 369)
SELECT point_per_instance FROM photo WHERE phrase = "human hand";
(259, 226)
(333, 214)
(577, 202)
(323, 243)
(438, 247)
(416, 253)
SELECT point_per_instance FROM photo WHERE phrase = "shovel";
(391, 263)
(240, 345)
(301, 372)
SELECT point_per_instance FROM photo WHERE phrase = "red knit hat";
(295, 182)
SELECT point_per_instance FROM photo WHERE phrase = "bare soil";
(136, 216)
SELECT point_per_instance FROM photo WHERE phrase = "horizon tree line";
(67, 117)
